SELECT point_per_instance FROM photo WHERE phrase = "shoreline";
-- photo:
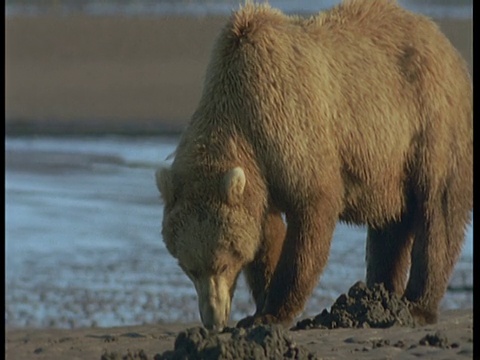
(99, 127)
(94, 75)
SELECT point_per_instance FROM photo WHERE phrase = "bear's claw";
(266, 319)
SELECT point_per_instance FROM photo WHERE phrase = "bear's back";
(349, 91)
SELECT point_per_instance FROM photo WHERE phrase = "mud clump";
(363, 307)
(260, 342)
(438, 340)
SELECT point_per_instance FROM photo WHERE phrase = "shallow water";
(83, 244)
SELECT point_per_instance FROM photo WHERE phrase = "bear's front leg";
(259, 273)
(304, 255)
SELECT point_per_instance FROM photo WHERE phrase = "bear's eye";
(222, 269)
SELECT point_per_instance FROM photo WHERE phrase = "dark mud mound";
(260, 342)
(363, 307)
(140, 355)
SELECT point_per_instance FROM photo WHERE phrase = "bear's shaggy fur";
(362, 114)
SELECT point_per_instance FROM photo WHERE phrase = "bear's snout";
(214, 302)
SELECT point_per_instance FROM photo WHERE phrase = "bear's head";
(209, 230)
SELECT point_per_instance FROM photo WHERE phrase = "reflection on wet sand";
(83, 243)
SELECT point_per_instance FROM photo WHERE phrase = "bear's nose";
(213, 318)
(214, 302)
(215, 327)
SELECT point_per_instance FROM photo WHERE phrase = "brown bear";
(361, 114)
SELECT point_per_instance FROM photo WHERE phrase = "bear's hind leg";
(259, 273)
(440, 231)
(388, 254)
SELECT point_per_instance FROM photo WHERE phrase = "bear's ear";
(234, 184)
(163, 178)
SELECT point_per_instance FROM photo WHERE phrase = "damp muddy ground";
(362, 307)
(450, 338)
